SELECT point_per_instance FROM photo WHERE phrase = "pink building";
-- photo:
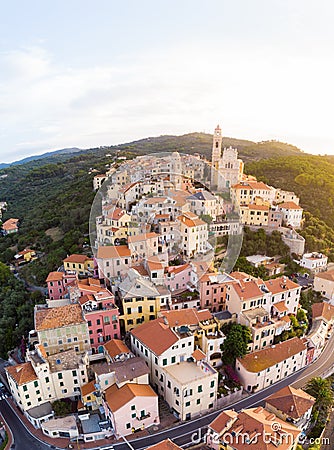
(178, 278)
(101, 315)
(212, 288)
(57, 284)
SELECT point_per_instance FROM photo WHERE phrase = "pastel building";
(62, 328)
(292, 214)
(212, 288)
(113, 261)
(324, 283)
(101, 315)
(251, 428)
(57, 283)
(194, 233)
(79, 265)
(265, 367)
(131, 407)
(141, 300)
(178, 278)
(291, 405)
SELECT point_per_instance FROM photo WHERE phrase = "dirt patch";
(55, 233)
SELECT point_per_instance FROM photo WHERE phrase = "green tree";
(236, 342)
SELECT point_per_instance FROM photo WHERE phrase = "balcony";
(144, 417)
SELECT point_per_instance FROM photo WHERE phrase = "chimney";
(292, 408)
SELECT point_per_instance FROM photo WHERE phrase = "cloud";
(258, 93)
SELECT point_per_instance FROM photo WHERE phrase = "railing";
(144, 417)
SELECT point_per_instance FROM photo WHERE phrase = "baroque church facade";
(227, 168)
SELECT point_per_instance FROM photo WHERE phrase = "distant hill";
(202, 143)
(62, 151)
(187, 143)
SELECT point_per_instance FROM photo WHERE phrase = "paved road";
(22, 439)
(320, 367)
(182, 434)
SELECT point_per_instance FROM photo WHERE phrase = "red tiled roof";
(61, 316)
(119, 397)
(155, 335)
(22, 373)
(292, 402)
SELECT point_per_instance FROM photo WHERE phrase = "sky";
(78, 73)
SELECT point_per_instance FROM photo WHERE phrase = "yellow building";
(79, 264)
(254, 214)
(141, 300)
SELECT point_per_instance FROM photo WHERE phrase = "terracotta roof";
(75, 258)
(88, 388)
(55, 276)
(22, 373)
(267, 357)
(329, 275)
(86, 298)
(198, 355)
(142, 237)
(186, 316)
(116, 214)
(268, 431)
(247, 290)
(289, 205)
(219, 423)
(119, 397)
(178, 269)
(154, 263)
(324, 310)
(167, 444)
(241, 276)
(115, 347)
(293, 402)
(250, 185)
(47, 318)
(10, 224)
(281, 306)
(155, 335)
(113, 251)
(276, 285)
(191, 220)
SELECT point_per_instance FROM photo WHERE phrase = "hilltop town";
(157, 327)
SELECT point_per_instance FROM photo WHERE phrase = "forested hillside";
(52, 196)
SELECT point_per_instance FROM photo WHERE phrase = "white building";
(265, 367)
(293, 214)
(315, 262)
(194, 233)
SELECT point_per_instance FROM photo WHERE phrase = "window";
(74, 373)
(198, 401)
(187, 403)
(200, 388)
(212, 384)
(173, 359)
(47, 379)
(25, 388)
(133, 407)
(164, 362)
(98, 322)
(60, 376)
